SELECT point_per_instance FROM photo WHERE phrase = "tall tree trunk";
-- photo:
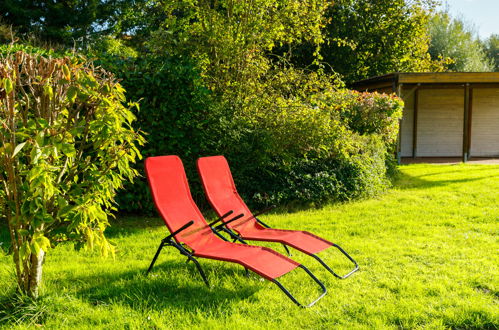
(31, 275)
(35, 276)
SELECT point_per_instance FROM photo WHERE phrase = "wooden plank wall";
(485, 123)
(440, 123)
(407, 124)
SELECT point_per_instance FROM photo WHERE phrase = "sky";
(483, 14)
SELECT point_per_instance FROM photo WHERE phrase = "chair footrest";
(290, 296)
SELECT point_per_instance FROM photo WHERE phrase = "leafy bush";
(66, 147)
(293, 137)
(314, 143)
(177, 114)
(370, 113)
(8, 49)
(208, 84)
(316, 181)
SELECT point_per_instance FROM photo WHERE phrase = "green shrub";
(362, 173)
(370, 113)
(315, 143)
(7, 49)
(66, 147)
(177, 114)
(207, 86)
(294, 137)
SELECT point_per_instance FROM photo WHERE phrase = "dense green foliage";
(177, 115)
(209, 82)
(68, 22)
(425, 250)
(230, 40)
(367, 38)
(66, 146)
(453, 39)
(492, 50)
(289, 134)
(326, 145)
(299, 139)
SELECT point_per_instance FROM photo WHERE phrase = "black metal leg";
(189, 256)
(234, 236)
(219, 235)
(293, 299)
(331, 271)
(183, 251)
(287, 250)
(155, 256)
(198, 266)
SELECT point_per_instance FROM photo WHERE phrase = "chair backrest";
(221, 191)
(173, 199)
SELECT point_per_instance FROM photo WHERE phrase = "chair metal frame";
(237, 237)
(170, 241)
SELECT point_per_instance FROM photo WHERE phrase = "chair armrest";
(262, 223)
(262, 212)
(184, 227)
(231, 220)
(211, 224)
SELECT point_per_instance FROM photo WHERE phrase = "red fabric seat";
(222, 194)
(300, 240)
(174, 203)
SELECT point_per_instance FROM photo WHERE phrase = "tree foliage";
(229, 40)
(211, 84)
(492, 50)
(454, 39)
(367, 38)
(66, 147)
(71, 21)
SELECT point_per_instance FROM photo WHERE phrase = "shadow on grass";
(127, 225)
(405, 181)
(17, 309)
(163, 288)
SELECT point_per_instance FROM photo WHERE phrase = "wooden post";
(398, 90)
(470, 120)
(415, 123)
(467, 123)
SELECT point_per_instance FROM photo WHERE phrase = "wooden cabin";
(448, 114)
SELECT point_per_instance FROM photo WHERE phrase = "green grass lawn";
(428, 252)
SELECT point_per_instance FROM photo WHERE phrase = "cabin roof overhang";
(430, 78)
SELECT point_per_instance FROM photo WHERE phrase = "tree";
(492, 50)
(70, 21)
(66, 147)
(367, 38)
(230, 39)
(454, 39)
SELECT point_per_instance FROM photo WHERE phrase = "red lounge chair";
(221, 192)
(194, 237)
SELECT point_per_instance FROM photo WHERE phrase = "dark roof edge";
(389, 79)
(428, 78)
